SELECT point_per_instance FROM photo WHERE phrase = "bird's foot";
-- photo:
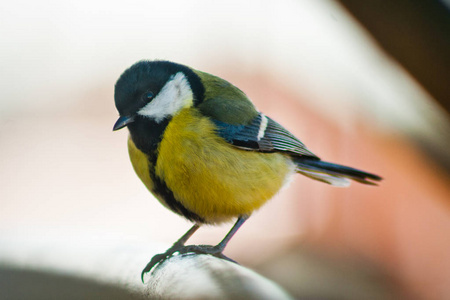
(198, 249)
(159, 258)
(216, 251)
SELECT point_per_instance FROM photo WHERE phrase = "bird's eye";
(148, 96)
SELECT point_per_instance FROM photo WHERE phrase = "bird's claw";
(205, 249)
(198, 249)
(158, 258)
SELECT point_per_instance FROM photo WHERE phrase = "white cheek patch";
(174, 96)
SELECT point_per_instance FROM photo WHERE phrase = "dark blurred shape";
(314, 274)
(27, 284)
(416, 33)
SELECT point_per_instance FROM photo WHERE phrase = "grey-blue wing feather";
(265, 135)
(262, 134)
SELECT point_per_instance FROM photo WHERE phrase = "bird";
(203, 149)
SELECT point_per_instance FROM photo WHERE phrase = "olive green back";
(225, 102)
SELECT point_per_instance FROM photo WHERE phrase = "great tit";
(205, 152)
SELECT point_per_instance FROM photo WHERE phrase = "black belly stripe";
(147, 136)
(163, 191)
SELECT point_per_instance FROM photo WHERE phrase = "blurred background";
(361, 83)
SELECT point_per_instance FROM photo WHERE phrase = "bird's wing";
(262, 134)
(240, 124)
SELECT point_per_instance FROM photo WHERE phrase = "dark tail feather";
(333, 173)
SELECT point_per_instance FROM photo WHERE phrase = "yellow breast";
(210, 177)
(140, 164)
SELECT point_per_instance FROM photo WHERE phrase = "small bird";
(205, 152)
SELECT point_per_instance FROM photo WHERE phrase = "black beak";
(122, 122)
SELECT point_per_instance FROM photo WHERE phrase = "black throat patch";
(147, 134)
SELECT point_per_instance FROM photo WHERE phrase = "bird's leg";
(217, 249)
(177, 246)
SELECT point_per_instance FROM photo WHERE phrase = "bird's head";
(155, 91)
